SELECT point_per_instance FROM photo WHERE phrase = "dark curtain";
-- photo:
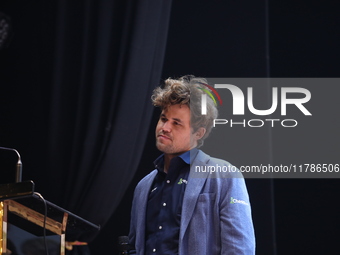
(108, 59)
(75, 87)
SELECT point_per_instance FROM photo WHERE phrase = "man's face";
(173, 132)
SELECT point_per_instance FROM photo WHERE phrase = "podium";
(29, 224)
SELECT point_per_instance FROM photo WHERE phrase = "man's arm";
(237, 231)
(138, 211)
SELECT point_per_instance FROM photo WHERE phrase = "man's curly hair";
(187, 90)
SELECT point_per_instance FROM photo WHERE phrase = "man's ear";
(200, 133)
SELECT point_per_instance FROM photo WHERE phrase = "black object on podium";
(28, 223)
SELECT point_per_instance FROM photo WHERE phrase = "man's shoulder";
(148, 178)
(207, 159)
(207, 166)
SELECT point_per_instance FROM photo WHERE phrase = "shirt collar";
(186, 157)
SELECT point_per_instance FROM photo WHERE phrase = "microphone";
(124, 247)
(18, 173)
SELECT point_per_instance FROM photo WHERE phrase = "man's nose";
(166, 127)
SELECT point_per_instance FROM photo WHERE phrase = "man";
(178, 211)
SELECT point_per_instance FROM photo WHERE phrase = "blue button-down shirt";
(163, 217)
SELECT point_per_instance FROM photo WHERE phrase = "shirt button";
(168, 181)
(160, 227)
(154, 250)
(164, 204)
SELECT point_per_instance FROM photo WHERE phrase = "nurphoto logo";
(295, 96)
